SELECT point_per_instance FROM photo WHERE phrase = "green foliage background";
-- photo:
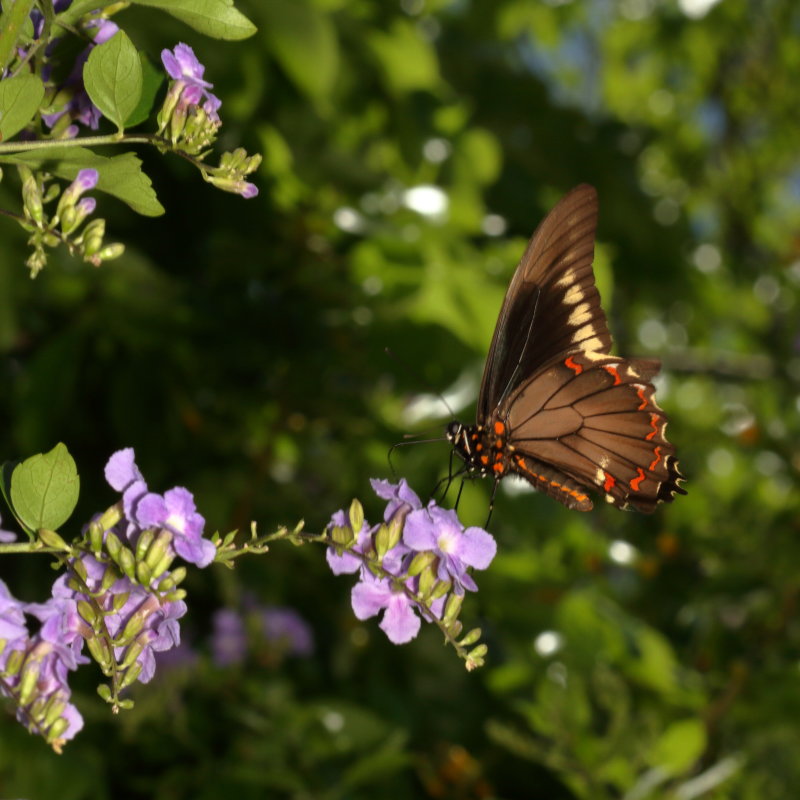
(238, 346)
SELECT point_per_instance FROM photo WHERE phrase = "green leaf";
(152, 78)
(120, 176)
(679, 747)
(44, 489)
(19, 100)
(113, 78)
(215, 18)
(303, 41)
(409, 61)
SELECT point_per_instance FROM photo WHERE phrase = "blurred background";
(410, 148)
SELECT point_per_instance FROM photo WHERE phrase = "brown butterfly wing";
(593, 419)
(552, 306)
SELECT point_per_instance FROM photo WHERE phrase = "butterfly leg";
(491, 503)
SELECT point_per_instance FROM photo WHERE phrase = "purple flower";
(177, 512)
(346, 562)
(286, 627)
(441, 532)
(174, 511)
(150, 618)
(182, 65)
(400, 496)
(123, 475)
(372, 595)
(12, 620)
(48, 657)
(228, 638)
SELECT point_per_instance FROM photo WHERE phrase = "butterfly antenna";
(404, 444)
(416, 375)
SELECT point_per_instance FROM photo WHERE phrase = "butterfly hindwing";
(595, 419)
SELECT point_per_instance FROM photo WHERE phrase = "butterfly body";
(555, 407)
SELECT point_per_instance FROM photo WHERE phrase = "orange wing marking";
(612, 370)
(657, 458)
(654, 426)
(640, 395)
(610, 482)
(576, 368)
(636, 482)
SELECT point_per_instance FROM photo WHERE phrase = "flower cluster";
(414, 565)
(119, 595)
(194, 127)
(33, 669)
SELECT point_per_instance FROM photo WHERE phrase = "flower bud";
(356, 516)
(146, 538)
(476, 657)
(53, 710)
(452, 607)
(158, 547)
(144, 575)
(92, 237)
(113, 545)
(164, 564)
(31, 196)
(52, 539)
(111, 251)
(342, 536)
(420, 562)
(56, 729)
(132, 652)
(471, 637)
(427, 580)
(87, 613)
(130, 675)
(127, 563)
(30, 676)
(99, 649)
(441, 589)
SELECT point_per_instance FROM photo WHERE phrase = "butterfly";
(554, 406)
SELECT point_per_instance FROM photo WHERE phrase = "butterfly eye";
(454, 431)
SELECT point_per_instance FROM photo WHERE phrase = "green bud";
(396, 524)
(57, 728)
(111, 251)
(100, 651)
(420, 562)
(144, 574)
(133, 652)
(95, 537)
(157, 548)
(441, 589)
(382, 538)
(113, 545)
(126, 704)
(87, 613)
(127, 563)
(455, 628)
(471, 637)
(342, 536)
(69, 219)
(79, 568)
(54, 709)
(179, 594)
(164, 564)
(356, 515)
(146, 538)
(130, 675)
(179, 575)
(452, 607)
(92, 237)
(427, 580)
(14, 662)
(31, 195)
(110, 577)
(52, 539)
(475, 658)
(105, 692)
(120, 600)
(27, 685)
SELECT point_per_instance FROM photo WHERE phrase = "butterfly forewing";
(554, 406)
(552, 306)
